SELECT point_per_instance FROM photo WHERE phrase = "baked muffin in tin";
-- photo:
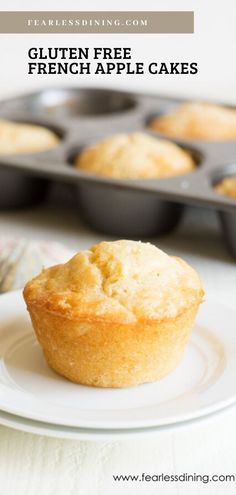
(18, 137)
(227, 186)
(135, 156)
(204, 121)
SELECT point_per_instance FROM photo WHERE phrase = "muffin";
(198, 121)
(116, 315)
(135, 156)
(227, 187)
(17, 137)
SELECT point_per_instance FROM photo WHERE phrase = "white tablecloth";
(30, 464)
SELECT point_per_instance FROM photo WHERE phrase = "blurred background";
(198, 238)
(211, 46)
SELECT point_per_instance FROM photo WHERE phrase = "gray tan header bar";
(97, 22)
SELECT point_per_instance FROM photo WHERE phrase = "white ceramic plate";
(92, 434)
(202, 384)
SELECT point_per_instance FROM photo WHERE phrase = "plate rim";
(34, 427)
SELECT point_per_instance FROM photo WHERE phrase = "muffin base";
(103, 353)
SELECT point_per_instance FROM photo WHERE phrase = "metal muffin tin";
(128, 208)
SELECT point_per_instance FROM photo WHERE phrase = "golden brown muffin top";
(122, 281)
(135, 156)
(198, 121)
(227, 187)
(16, 137)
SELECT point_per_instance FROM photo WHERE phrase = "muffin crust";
(16, 137)
(135, 156)
(123, 280)
(227, 187)
(198, 121)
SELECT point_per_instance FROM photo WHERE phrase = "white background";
(212, 46)
(29, 464)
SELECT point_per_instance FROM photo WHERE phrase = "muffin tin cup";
(18, 190)
(72, 103)
(127, 214)
(128, 208)
(228, 222)
(21, 188)
(227, 219)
